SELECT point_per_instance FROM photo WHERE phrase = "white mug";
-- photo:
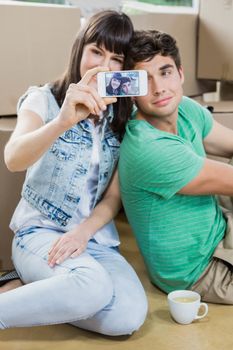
(184, 306)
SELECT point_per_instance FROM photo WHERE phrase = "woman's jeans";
(97, 291)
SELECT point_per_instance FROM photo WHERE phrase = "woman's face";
(94, 56)
(115, 83)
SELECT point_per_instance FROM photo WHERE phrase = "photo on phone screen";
(122, 83)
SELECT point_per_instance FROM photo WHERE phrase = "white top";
(25, 215)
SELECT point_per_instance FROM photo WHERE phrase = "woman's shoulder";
(36, 99)
(38, 90)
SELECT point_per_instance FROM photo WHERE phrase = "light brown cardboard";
(182, 26)
(223, 114)
(220, 107)
(10, 189)
(215, 44)
(35, 43)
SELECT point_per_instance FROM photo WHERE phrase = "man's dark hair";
(125, 80)
(145, 44)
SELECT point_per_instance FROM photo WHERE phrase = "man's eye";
(166, 72)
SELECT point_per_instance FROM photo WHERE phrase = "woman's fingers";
(109, 100)
(91, 73)
(53, 248)
(59, 254)
(76, 253)
(64, 248)
(100, 103)
(81, 94)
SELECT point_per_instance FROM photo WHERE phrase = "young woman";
(114, 86)
(66, 245)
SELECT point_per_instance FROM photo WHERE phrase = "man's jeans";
(98, 290)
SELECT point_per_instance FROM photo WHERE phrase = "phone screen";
(122, 83)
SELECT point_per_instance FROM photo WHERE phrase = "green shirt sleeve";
(171, 164)
(201, 115)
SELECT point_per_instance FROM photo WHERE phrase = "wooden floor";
(160, 332)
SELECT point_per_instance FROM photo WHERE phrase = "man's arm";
(214, 178)
(219, 142)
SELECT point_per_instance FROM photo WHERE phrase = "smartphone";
(122, 83)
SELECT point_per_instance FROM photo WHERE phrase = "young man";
(126, 86)
(168, 185)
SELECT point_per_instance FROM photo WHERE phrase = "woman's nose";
(106, 61)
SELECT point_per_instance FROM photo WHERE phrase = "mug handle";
(205, 312)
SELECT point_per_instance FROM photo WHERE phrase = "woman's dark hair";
(109, 88)
(112, 30)
(148, 43)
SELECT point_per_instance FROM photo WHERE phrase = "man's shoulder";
(187, 104)
(140, 133)
(193, 109)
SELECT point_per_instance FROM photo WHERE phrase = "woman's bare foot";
(11, 285)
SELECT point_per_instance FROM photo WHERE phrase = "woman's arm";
(74, 242)
(31, 138)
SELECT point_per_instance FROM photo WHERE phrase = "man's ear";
(181, 73)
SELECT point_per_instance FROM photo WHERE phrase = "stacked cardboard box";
(35, 43)
(215, 44)
(10, 188)
(183, 26)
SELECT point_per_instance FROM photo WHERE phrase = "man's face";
(126, 87)
(164, 89)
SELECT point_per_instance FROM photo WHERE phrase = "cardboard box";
(182, 26)
(10, 189)
(223, 114)
(215, 44)
(35, 41)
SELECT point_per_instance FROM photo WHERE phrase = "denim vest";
(56, 182)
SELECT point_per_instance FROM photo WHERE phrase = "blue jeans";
(97, 291)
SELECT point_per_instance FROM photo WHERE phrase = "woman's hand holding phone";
(82, 99)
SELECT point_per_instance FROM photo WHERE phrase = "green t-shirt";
(177, 234)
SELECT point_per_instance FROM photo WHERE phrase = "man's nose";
(157, 86)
